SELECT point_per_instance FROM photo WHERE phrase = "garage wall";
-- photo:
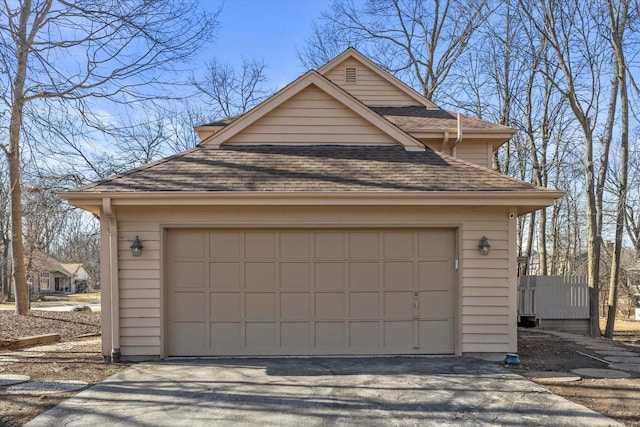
(487, 297)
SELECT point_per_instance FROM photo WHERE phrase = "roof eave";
(524, 201)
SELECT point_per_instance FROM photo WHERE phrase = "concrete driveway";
(395, 391)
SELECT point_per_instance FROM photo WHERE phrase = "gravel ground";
(67, 324)
(73, 360)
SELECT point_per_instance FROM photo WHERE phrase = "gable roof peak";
(312, 78)
(352, 52)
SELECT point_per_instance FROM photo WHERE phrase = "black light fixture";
(136, 247)
(484, 246)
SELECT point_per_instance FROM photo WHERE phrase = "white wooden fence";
(553, 297)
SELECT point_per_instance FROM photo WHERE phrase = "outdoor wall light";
(484, 246)
(136, 247)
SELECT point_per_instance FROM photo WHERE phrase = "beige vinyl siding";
(488, 325)
(312, 117)
(140, 291)
(369, 88)
(478, 153)
(485, 285)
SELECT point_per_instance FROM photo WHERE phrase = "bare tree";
(112, 50)
(619, 17)
(229, 91)
(5, 265)
(418, 40)
(79, 242)
(572, 32)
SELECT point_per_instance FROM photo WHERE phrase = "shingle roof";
(323, 168)
(424, 118)
(41, 261)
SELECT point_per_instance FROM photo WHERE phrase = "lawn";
(61, 299)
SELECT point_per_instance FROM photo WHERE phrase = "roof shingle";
(318, 168)
(419, 118)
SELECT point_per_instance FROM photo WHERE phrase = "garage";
(337, 217)
(309, 291)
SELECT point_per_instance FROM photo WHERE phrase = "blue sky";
(271, 30)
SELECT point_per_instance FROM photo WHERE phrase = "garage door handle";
(415, 300)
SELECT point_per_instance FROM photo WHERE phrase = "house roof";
(419, 118)
(313, 168)
(72, 268)
(285, 168)
(41, 261)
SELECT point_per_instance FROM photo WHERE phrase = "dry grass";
(89, 298)
(60, 299)
(623, 325)
(627, 326)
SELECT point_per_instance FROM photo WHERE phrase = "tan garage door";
(293, 292)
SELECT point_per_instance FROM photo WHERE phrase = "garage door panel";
(364, 334)
(225, 244)
(295, 305)
(364, 245)
(185, 274)
(397, 304)
(295, 275)
(187, 338)
(398, 244)
(259, 275)
(435, 243)
(329, 305)
(329, 245)
(434, 275)
(187, 244)
(225, 305)
(330, 335)
(398, 334)
(225, 275)
(398, 275)
(293, 291)
(436, 334)
(260, 305)
(258, 244)
(226, 337)
(295, 334)
(189, 303)
(363, 305)
(329, 275)
(260, 334)
(434, 304)
(364, 275)
(294, 245)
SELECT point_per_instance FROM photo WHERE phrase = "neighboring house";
(81, 280)
(342, 215)
(46, 274)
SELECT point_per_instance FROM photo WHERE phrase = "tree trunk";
(18, 276)
(593, 235)
(617, 28)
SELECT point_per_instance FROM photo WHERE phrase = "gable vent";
(350, 75)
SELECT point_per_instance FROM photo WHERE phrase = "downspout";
(445, 140)
(458, 139)
(107, 210)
